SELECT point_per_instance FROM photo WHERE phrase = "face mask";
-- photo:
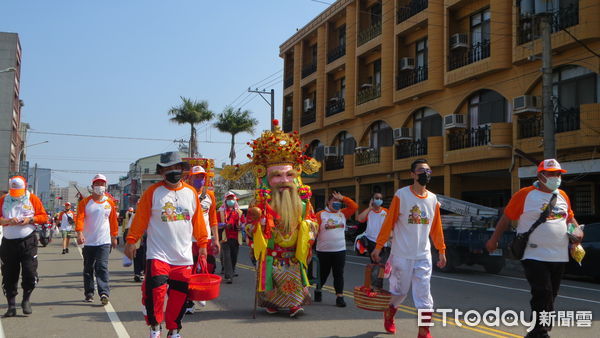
(424, 178)
(378, 202)
(198, 183)
(336, 205)
(173, 176)
(230, 203)
(99, 189)
(552, 183)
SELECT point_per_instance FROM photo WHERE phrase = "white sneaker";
(175, 335)
(189, 311)
(154, 333)
(201, 303)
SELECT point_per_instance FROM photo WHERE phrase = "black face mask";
(424, 178)
(173, 176)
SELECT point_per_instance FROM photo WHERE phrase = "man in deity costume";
(285, 228)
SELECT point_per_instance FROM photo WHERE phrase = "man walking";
(547, 251)
(374, 215)
(67, 220)
(170, 213)
(414, 216)
(230, 216)
(20, 210)
(97, 229)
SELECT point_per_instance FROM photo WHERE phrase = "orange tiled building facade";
(374, 85)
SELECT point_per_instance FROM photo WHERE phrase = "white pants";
(411, 271)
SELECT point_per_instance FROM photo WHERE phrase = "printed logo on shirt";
(27, 207)
(556, 213)
(171, 213)
(331, 224)
(417, 216)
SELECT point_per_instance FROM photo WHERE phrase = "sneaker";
(64, 251)
(89, 298)
(104, 299)
(175, 335)
(228, 280)
(426, 335)
(154, 333)
(318, 296)
(388, 319)
(26, 306)
(189, 307)
(339, 302)
(271, 310)
(67, 250)
(11, 312)
(137, 278)
(202, 303)
(296, 310)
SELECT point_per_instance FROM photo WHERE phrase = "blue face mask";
(230, 203)
(198, 183)
(377, 202)
(336, 205)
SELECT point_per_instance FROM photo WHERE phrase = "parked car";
(591, 261)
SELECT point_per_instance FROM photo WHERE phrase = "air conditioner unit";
(331, 151)
(459, 40)
(403, 134)
(454, 121)
(527, 103)
(308, 104)
(407, 63)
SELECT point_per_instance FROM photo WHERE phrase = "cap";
(550, 165)
(16, 186)
(170, 158)
(68, 203)
(99, 177)
(197, 170)
(130, 209)
(229, 194)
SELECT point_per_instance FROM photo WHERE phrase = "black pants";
(544, 280)
(230, 251)
(17, 254)
(333, 261)
(383, 255)
(139, 260)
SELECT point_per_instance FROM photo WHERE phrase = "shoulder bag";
(519, 243)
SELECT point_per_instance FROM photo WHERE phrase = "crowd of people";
(179, 228)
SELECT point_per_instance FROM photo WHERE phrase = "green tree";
(192, 112)
(234, 121)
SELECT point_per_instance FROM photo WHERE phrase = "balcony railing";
(334, 163)
(561, 19)
(308, 117)
(410, 77)
(335, 106)
(368, 94)
(367, 156)
(288, 82)
(411, 149)
(565, 120)
(336, 53)
(288, 119)
(369, 33)
(478, 51)
(468, 138)
(411, 9)
(307, 70)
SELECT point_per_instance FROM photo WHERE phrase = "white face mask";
(552, 183)
(99, 189)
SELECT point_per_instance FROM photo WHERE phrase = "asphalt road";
(59, 310)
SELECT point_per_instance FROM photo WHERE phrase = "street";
(59, 310)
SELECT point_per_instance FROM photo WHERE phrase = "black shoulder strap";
(544, 214)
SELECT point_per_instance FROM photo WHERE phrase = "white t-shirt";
(64, 220)
(331, 231)
(18, 210)
(205, 204)
(96, 220)
(549, 241)
(374, 222)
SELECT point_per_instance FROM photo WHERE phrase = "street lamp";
(9, 69)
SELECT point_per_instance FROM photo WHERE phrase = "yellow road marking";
(492, 332)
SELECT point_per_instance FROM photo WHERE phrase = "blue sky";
(116, 67)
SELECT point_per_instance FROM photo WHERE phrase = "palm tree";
(192, 112)
(234, 121)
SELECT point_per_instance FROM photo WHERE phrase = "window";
(146, 170)
(480, 27)
(343, 87)
(421, 53)
(487, 106)
(574, 86)
(427, 122)
(377, 72)
(381, 135)
(313, 53)
(375, 11)
(345, 143)
(342, 35)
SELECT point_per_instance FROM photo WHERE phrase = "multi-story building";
(10, 106)
(373, 85)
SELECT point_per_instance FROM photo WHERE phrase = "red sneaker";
(426, 335)
(272, 310)
(296, 310)
(388, 319)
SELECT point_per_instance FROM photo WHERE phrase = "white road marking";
(1, 330)
(112, 314)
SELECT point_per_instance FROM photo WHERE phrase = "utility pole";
(271, 104)
(548, 107)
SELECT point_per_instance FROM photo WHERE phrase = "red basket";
(204, 286)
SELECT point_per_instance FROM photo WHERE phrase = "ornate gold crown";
(274, 148)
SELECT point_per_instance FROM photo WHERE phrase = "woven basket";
(367, 299)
